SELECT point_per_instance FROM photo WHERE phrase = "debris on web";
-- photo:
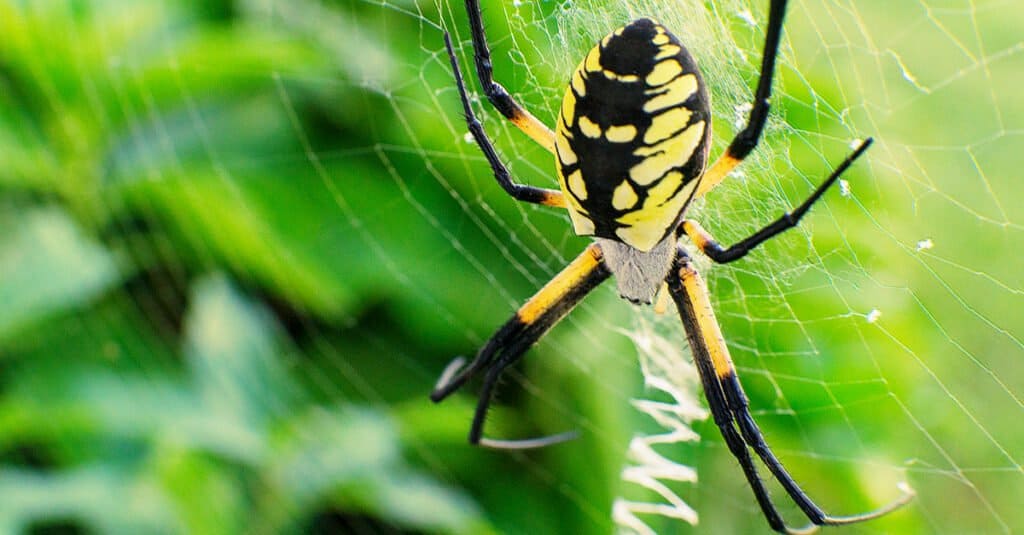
(844, 188)
(746, 16)
(668, 373)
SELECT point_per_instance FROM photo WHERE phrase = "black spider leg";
(729, 404)
(740, 407)
(535, 318)
(520, 192)
(747, 138)
(495, 92)
(714, 392)
(709, 246)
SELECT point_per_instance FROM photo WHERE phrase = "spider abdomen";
(632, 135)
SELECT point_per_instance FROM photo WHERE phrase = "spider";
(631, 145)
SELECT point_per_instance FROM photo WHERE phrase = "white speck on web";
(907, 75)
(873, 315)
(856, 143)
(741, 114)
(748, 17)
(468, 137)
(844, 188)
(925, 244)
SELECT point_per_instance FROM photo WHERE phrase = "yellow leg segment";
(697, 292)
(552, 293)
(700, 237)
(554, 198)
(532, 126)
(716, 173)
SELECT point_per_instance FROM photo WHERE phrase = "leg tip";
(443, 388)
(529, 443)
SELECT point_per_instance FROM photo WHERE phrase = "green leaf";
(230, 344)
(47, 266)
(321, 449)
(205, 491)
(349, 458)
(101, 497)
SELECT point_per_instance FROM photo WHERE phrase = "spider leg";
(730, 407)
(707, 244)
(740, 407)
(497, 94)
(456, 373)
(476, 431)
(534, 319)
(547, 197)
(696, 314)
(747, 139)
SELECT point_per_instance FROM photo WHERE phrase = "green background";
(240, 240)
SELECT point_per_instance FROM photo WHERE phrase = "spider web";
(878, 341)
(883, 319)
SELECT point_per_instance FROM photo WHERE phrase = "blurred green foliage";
(164, 297)
(239, 240)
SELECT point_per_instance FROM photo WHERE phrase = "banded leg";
(522, 192)
(747, 139)
(497, 94)
(707, 244)
(535, 318)
(696, 319)
(730, 407)
(740, 407)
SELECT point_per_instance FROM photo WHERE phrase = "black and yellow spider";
(631, 145)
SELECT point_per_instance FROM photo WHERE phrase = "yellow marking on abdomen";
(589, 128)
(624, 197)
(663, 72)
(660, 193)
(581, 222)
(675, 93)
(569, 108)
(593, 60)
(667, 51)
(552, 292)
(565, 153)
(612, 75)
(621, 134)
(697, 292)
(572, 185)
(578, 83)
(665, 124)
(648, 224)
(576, 185)
(642, 238)
(673, 152)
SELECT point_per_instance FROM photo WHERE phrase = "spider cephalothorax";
(631, 145)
